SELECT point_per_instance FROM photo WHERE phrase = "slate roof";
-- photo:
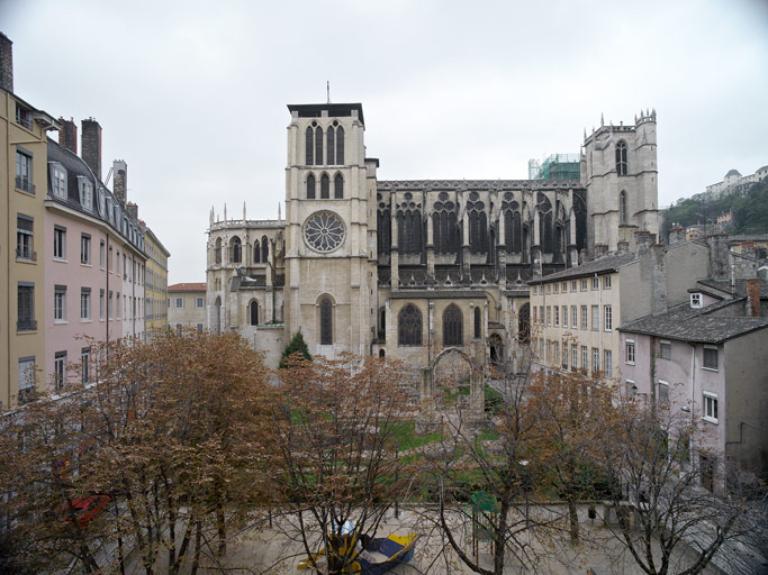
(739, 285)
(602, 265)
(476, 185)
(684, 323)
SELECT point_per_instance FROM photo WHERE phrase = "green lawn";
(404, 434)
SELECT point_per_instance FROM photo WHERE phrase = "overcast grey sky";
(192, 94)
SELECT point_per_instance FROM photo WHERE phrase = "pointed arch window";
(311, 187)
(452, 326)
(253, 312)
(478, 323)
(444, 225)
(326, 321)
(478, 224)
(409, 326)
(318, 146)
(340, 145)
(216, 251)
(256, 252)
(331, 146)
(410, 232)
(623, 208)
(513, 231)
(236, 250)
(309, 145)
(621, 158)
(338, 186)
(384, 230)
(325, 187)
(264, 249)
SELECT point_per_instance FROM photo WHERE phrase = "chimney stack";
(91, 145)
(753, 297)
(6, 63)
(68, 135)
(120, 180)
(133, 210)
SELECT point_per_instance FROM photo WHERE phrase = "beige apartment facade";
(23, 155)
(187, 307)
(155, 285)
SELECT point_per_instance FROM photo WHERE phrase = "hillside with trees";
(749, 205)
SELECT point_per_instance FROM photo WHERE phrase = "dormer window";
(23, 116)
(696, 301)
(86, 193)
(102, 202)
(59, 181)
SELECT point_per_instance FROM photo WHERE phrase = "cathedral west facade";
(410, 268)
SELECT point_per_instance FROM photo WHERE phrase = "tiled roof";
(601, 265)
(698, 325)
(188, 287)
(739, 285)
(476, 185)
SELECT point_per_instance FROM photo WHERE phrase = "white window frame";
(696, 300)
(607, 281)
(608, 362)
(595, 320)
(661, 384)
(179, 302)
(85, 249)
(59, 181)
(60, 304)
(713, 401)
(60, 243)
(564, 315)
(703, 354)
(59, 369)
(85, 304)
(200, 302)
(607, 317)
(627, 344)
(665, 342)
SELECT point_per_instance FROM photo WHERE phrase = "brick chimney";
(753, 297)
(6, 63)
(120, 180)
(133, 210)
(68, 135)
(91, 145)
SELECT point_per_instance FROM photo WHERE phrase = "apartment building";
(575, 313)
(23, 153)
(155, 284)
(186, 306)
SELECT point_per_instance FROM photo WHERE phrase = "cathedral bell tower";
(330, 255)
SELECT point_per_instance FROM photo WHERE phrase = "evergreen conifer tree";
(296, 345)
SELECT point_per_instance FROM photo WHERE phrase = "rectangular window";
(564, 287)
(583, 284)
(59, 369)
(595, 318)
(549, 315)
(86, 193)
(59, 242)
(179, 302)
(24, 172)
(23, 116)
(629, 352)
(101, 304)
(608, 363)
(60, 303)
(199, 328)
(696, 300)
(85, 365)
(26, 307)
(24, 238)
(665, 350)
(574, 317)
(565, 355)
(574, 285)
(584, 318)
(662, 393)
(595, 282)
(584, 358)
(541, 314)
(574, 357)
(608, 317)
(710, 407)
(111, 308)
(557, 316)
(607, 282)
(85, 303)
(710, 358)
(59, 181)
(555, 288)
(564, 313)
(200, 302)
(595, 360)
(27, 377)
(85, 249)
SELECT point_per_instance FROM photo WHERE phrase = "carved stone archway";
(462, 390)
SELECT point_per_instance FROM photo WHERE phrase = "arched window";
(410, 232)
(452, 326)
(309, 136)
(338, 186)
(621, 158)
(340, 146)
(409, 326)
(382, 323)
(311, 187)
(216, 251)
(319, 146)
(622, 208)
(326, 321)
(325, 187)
(331, 147)
(478, 232)
(383, 230)
(256, 252)
(513, 232)
(264, 249)
(478, 323)
(253, 312)
(236, 250)
(445, 233)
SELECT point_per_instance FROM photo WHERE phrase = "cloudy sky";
(193, 94)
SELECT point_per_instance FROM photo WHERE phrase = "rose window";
(324, 231)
